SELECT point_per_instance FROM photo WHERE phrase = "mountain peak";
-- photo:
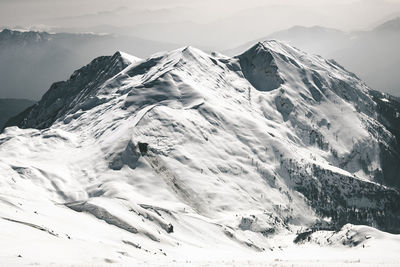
(189, 53)
(274, 64)
(129, 59)
(64, 96)
(279, 49)
(259, 66)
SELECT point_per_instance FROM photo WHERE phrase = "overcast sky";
(216, 23)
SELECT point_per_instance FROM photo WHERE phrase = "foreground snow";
(101, 246)
(193, 158)
(89, 242)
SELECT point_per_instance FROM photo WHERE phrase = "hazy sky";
(24, 12)
(213, 23)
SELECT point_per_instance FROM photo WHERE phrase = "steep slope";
(64, 97)
(12, 107)
(371, 54)
(187, 152)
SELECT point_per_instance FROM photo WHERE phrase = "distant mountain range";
(30, 61)
(373, 55)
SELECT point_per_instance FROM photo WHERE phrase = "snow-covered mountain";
(190, 156)
(371, 54)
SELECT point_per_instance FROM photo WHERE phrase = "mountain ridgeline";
(263, 142)
(371, 54)
(64, 96)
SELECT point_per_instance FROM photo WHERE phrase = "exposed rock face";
(79, 92)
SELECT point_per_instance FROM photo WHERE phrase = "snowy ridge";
(186, 151)
(76, 93)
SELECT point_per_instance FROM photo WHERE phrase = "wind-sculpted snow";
(185, 155)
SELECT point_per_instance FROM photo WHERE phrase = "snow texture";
(185, 156)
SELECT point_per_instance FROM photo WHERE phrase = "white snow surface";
(211, 189)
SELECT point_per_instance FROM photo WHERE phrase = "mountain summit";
(186, 151)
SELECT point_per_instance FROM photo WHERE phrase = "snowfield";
(268, 158)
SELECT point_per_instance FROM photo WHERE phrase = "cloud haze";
(215, 24)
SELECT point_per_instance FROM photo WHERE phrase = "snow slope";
(187, 156)
(371, 54)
